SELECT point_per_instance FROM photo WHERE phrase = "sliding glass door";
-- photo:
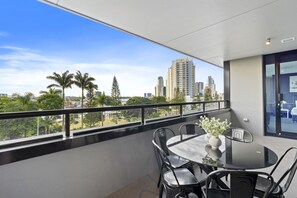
(281, 94)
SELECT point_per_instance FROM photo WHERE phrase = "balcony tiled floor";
(145, 187)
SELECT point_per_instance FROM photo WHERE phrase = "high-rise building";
(212, 85)
(198, 88)
(147, 95)
(160, 90)
(181, 75)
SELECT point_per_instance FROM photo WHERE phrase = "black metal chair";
(176, 181)
(239, 134)
(191, 129)
(277, 190)
(242, 184)
(160, 136)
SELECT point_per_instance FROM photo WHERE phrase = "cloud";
(24, 70)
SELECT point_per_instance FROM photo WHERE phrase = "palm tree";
(26, 102)
(51, 91)
(82, 81)
(62, 81)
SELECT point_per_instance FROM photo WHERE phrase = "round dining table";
(230, 155)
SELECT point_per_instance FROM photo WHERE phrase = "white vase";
(207, 136)
(215, 154)
(215, 142)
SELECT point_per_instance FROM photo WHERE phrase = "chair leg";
(197, 190)
(159, 181)
(161, 191)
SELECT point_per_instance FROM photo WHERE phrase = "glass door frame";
(278, 95)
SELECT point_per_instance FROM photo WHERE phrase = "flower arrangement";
(213, 126)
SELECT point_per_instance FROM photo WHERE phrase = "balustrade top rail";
(25, 114)
(67, 112)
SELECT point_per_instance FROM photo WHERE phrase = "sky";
(37, 39)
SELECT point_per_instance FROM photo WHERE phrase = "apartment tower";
(181, 75)
(160, 89)
(212, 85)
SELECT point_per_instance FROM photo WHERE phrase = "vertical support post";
(219, 105)
(142, 116)
(203, 107)
(181, 110)
(67, 125)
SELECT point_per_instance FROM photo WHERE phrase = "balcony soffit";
(211, 30)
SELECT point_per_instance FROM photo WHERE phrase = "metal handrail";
(67, 112)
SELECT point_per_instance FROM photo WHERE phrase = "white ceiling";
(211, 30)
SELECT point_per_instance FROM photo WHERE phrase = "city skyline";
(37, 40)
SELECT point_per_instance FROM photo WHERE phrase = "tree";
(26, 103)
(207, 94)
(91, 87)
(51, 91)
(195, 106)
(83, 81)
(63, 81)
(21, 127)
(115, 92)
(50, 100)
(102, 101)
(160, 110)
(159, 100)
(91, 118)
(133, 114)
(179, 96)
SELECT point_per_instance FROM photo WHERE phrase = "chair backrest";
(163, 156)
(242, 183)
(289, 173)
(161, 135)
(239, 134)
(191, 129)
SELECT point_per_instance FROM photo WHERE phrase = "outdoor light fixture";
(287, 40)
(268, 41)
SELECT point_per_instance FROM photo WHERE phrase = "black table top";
(231, 154)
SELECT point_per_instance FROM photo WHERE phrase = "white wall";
(91, 171)
(246, 94)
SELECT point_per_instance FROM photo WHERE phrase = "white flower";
(213, 125)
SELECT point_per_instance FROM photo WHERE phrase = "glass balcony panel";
(211, 106)
(158, 113)
(192, 108)
(20, 128)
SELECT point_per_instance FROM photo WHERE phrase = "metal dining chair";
(242, 184)
(238, 134)
(177, 182)
(160, 137)
(191, 129)
(278, 191)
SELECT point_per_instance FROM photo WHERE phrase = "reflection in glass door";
(288, 96)
(281, 94)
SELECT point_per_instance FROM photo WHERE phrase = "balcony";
(92, 162)
(116, 161)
